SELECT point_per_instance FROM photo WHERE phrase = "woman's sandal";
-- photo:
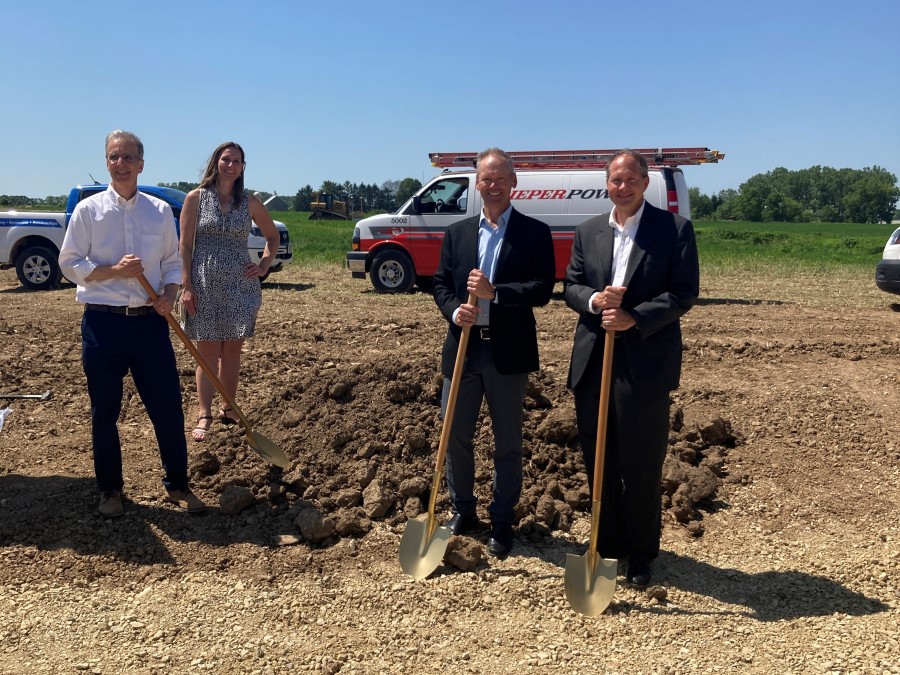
(199, 433)
(225, 419)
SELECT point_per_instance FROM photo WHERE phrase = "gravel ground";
(791, 566)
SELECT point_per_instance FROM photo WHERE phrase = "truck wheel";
(392, 272)
(38, 268)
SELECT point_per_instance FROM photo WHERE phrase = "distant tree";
(184, 186)
(336, 190)
(871, 198)
(16, 200)
(750, 203)
(389, 194)
(701, 204)
(781, 209)
(303, 199)
(406, 189)
(725, 204)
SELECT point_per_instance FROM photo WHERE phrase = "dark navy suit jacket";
(524, 278)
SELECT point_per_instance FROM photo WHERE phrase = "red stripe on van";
(672, 197)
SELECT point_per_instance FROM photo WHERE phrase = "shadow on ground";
(767, 596)
(53, 513)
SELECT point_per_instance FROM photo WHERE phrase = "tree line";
(362, 198)
(818, 194)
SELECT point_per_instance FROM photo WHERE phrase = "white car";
(256, 243)
(887, 271)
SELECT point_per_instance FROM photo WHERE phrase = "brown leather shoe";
(111, 504)
(186, 500)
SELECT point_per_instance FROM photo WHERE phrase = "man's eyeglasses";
(128, 159)
(487, 182)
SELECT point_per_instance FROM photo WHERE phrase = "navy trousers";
(504, 395)
(112, 345)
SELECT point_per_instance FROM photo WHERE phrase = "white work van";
(560, 188)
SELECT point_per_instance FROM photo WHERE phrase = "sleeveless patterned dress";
(227, 302)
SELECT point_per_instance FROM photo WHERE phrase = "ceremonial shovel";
(424, 543)
(264, 446)
(590, 579)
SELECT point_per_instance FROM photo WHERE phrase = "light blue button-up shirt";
(490, 240)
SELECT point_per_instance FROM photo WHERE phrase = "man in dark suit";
(506, 260)
(633, 271)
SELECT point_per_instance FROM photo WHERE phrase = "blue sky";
(363, 91)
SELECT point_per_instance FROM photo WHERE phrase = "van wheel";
(392, 272)
(38, 268)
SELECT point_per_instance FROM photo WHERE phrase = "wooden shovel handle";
(179, 331)
(448, 414)
(603, 413)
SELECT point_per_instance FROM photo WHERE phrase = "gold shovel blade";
(589, 591)
(267, 449)
(420, 554)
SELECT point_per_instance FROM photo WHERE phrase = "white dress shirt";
(623, 242)
(106, 227)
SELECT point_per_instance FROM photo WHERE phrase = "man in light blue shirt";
(505, 259)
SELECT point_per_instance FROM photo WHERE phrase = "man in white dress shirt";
(633, 271)
(112, 238)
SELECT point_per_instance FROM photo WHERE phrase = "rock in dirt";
(352, 522)
(235, 499)
(314, 525)
(463, 553)
(376, 499)
(414, 487)
(205, 464)
(558, 427)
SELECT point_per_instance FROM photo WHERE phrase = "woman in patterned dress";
(222, 292)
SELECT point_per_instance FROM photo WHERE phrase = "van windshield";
(449, 195)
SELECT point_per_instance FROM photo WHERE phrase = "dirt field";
(781, 541)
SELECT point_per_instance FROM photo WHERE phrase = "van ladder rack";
(581, 159)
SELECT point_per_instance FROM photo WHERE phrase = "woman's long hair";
(211, 174)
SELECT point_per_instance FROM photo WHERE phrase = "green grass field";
(317, 240)
(726, 244)
(809, 245)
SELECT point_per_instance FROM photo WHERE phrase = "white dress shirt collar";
(630, 223)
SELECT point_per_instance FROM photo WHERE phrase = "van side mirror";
(417, 204)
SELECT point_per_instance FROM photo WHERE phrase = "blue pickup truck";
(30, 241)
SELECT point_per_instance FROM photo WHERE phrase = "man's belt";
(482, 332)
(143, 310)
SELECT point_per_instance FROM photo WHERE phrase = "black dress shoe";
(460, 524)
(501, 541)
(638, 574)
